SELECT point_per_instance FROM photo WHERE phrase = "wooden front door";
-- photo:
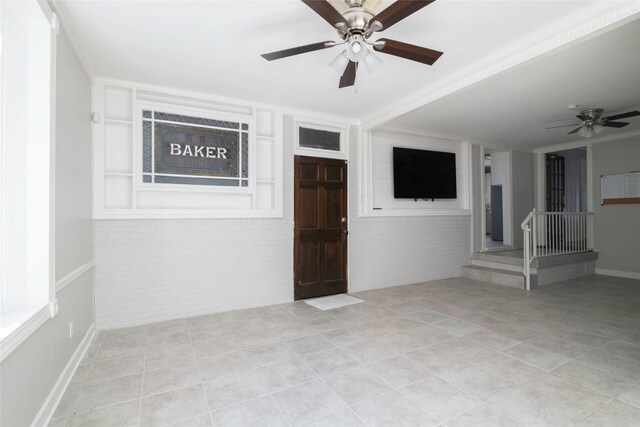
(320, 230)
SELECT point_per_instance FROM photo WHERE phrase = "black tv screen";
(422, 174)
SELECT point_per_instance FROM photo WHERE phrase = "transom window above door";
(320, 139)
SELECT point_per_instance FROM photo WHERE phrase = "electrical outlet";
(71, 329)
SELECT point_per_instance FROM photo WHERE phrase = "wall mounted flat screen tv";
(423, 174)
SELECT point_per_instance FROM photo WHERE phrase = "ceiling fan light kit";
(354, 26)
(356, 49)
(372, 62)
(339, 63)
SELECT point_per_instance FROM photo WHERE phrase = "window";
(25, 162)
(191, 150)
(321, 139)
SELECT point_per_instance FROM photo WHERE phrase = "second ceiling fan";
(355, 26)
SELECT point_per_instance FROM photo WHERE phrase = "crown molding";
(59, 9)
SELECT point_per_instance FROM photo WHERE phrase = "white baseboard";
(618, 273)
(49, 406)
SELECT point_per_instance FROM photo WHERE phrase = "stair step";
(494, 275)
(502, 257)
(497, 265)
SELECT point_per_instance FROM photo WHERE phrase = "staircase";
(505, 267)
(500, 267)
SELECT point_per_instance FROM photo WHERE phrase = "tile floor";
(453, 352)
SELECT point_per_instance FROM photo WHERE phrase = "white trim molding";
(48, 408)
(24, 331)
(618, 273)
(69, 278)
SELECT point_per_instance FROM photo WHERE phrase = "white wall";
(377, 194)
(398, 250)
(523, 192)
(30, 372)
(616, 227)
(150, 270)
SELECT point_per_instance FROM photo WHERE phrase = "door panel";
(309, 217)
(309, 171)
(333, 260)
(333, 173)
(334, 207)
(320, 232)
(309, 262)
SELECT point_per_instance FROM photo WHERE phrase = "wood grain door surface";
(320, 231)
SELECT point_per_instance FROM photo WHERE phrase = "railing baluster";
(573, 234)
(555, 233)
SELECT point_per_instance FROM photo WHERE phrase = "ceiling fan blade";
(399, 10)
(295, 50)
(561, 126)
(349, 76)
(623, 115)
(614, 124)
(409, 51)
(575, 130)
(326, 12)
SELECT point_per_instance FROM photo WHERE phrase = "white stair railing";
(555, 233)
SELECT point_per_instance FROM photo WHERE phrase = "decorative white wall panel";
(119, 191)
(377, 175)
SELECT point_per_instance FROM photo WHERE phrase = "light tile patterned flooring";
(453, 352)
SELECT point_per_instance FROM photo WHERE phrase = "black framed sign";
(191, 150)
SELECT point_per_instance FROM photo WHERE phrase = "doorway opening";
(566, 181)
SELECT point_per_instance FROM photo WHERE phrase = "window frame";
(33, 317)
(138, 142)
(308, 123)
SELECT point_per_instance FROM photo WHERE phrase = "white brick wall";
(401, 250)
(151, 270)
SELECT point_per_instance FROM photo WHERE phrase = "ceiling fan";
(355, 26)
(593, 123)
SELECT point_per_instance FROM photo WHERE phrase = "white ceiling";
(214, 47)
(514, 108)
